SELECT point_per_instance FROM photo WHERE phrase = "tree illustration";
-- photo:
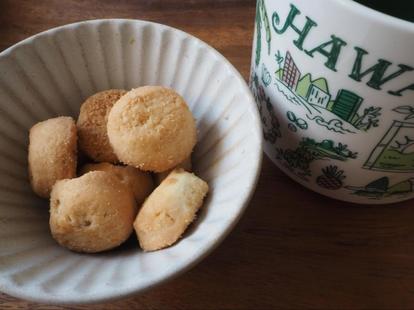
(258, 34)
(279, 59)
(368, 119)
(261, 19)
(271, 125)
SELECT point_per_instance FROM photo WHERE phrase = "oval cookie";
(169, 209)
(52, 153)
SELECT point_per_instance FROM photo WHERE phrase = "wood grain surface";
(293, 248)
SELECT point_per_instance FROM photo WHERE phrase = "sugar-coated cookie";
(93, 116)
(186, 165)
(151, 128)
(169, 209)
(140, 182)
(91, 213)
(52, 153)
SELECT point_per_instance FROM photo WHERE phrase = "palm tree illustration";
(262, 18)
(279, 59)
(368, 119)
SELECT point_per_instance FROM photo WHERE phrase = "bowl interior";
(51, 74)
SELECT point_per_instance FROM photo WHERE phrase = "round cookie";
(140, 182)
(93, 116)
(52, 153)
(91, 213)
(151, 128)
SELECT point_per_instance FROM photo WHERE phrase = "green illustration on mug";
(341, 115)
(406, 110)
(395, 151)
(298, 161)
(380, 188)
(279, 59)
(331, 178)
(271, 126)
(266, 77)
(325, 82)
(296, 122)
(261, 18)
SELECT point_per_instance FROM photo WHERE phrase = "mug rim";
(386, 19)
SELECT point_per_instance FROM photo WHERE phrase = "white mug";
(334, 83)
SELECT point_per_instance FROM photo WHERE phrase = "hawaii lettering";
(375, 76)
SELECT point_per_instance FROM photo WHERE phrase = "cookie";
(52, 153)
(91, 213)
(169, 209)
(151, 128)
(140, 182)
(186, 165)
(93, 116)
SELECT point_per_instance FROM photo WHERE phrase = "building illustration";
(318, 97)
(313, 94)
(346, 104)
(291, 73)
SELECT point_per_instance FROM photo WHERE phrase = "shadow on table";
(295, 248)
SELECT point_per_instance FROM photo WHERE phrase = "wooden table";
(293, 248)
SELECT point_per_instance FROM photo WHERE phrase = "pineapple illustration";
(331, 178)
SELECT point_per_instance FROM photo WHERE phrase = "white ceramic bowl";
(50, 74)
